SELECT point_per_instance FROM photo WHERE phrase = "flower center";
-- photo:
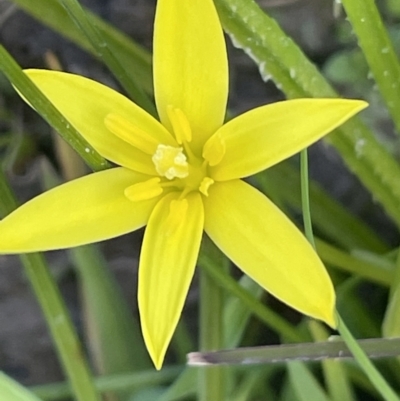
(170, 162)
(178, 168)
(179, 164)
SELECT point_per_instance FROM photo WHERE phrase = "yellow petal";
(190, 65)
(263, 242)
(269, 134)
(86, 104)
(90, 209)
(168, 258)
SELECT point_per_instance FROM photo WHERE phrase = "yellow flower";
(183, 176)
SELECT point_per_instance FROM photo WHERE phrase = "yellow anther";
(214, 149)
(130, 133)
(170, 162)
(205, 185)
(177, 213)
(144, 190)
(180, 124)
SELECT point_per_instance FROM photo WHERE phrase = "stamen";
(130, 133)
(214, 149)
(205, 185)
(180, 124)
(144, 190)
(170, 162)
(177, 212)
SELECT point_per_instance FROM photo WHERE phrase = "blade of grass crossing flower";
(10, 390)
(129, 54)
(55, 312)
(274, 354)
(378, 49)
(99, 43)
(46, 109)
(337, 382)
(280, 59)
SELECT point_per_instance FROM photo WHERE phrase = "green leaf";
(114, 337)
(336, 379)
(10, 390)
(329, 216)
(280, 59)
(305, 384)
(46, 109)
(55, 312)
(391, 322)
(378, 49)
(106, 54)
(132, 57)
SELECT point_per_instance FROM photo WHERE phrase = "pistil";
(170, 162)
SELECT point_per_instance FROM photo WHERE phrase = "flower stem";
(55, 312)
(305, 198)
(365, 363)
(211, 379)
(361, 357)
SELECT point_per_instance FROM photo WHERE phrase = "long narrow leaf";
(134, 58)
(280, 59)
(46, 109)
(378, 49)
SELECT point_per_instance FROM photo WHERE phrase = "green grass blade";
(10, 390)
(105, 53)
(266, 315)
(183, 388)
(131, 56)
(329, 216)
(113, 336)
(55, 312)
(46, 109)
(336, 379)
(391, 322)
(111, 383)
(236, 313)
(378, 49)
(378, 270)
(365, 363)
(279, 58)
(115, 339)
(305, 385)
